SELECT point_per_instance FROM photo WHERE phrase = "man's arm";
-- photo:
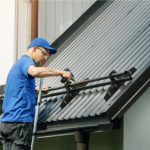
(40, 72)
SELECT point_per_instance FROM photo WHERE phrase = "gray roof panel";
(118, 39)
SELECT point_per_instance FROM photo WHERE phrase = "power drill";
(70, 94)
(64, 80)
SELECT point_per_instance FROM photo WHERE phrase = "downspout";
(82, 140)
(34, 19)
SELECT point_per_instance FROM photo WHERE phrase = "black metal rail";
(126, 73)
(118, 78)
(83, 88)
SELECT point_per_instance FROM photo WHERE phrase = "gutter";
(97, 123)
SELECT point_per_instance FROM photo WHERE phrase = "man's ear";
(34, 49)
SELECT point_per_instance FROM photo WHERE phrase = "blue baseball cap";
(41, 42)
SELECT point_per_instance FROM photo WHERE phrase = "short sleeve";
(25, 65)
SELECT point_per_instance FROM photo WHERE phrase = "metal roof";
(118, 39)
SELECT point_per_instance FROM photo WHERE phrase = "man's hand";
(44, 89)
(67, 75)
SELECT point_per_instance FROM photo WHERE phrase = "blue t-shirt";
(19, 100)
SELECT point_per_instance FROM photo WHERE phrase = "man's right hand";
(67, 75)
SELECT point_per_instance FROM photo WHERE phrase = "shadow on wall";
(112, 140)
(56, 143)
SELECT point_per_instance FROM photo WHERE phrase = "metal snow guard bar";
(117, 79)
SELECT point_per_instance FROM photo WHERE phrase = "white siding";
(7, 37)
(55, 16)
(59, 18)
(24, 25)
(15, 32)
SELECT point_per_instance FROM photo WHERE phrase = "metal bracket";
(118, 81)
(71, 93)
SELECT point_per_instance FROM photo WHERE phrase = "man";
(19, 101)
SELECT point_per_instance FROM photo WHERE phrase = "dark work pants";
(16, 136)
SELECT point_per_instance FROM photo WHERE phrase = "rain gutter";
(90, 124)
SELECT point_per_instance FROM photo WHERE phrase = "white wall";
(7, 37)
(15, 33)
(55, 16)
(24, 25)
(137, 124)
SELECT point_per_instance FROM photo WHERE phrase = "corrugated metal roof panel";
(118, 39)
